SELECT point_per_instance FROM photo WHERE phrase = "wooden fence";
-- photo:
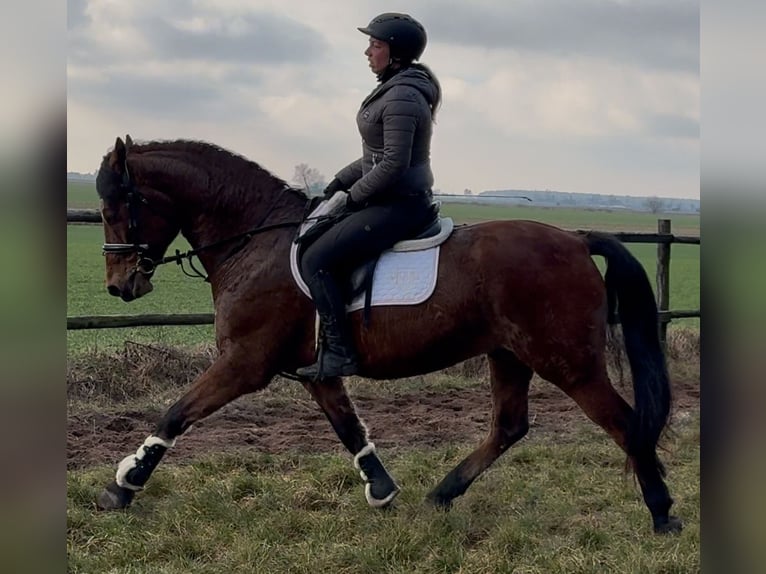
(664, 238)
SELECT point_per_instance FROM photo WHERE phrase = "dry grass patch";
(137, 371)
(149, 372)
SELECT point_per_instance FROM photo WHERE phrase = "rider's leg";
(337, 357)
(354, 240)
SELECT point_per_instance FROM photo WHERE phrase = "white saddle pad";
(400, 278)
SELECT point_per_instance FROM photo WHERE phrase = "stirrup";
(318, 370)
(310, 372)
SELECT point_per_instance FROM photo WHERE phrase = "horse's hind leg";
(510, 396)
(224, 381)
(380, 489)
(608, 409)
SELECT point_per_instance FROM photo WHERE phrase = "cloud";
(674, 126)
(258, 37)
(149, 96)
(580, 95)
(106, 33)
(652, 33)
(188, 58)
(541, 95)
(76, 17)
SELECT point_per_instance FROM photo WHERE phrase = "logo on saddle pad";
(404, 274)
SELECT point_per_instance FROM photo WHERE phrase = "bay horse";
(527, 295)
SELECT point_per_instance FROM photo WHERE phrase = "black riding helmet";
(405, 36)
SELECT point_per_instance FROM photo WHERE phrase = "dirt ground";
(420, 419)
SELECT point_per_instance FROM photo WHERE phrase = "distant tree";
(309, 179)
(654, 204)
(467, 191)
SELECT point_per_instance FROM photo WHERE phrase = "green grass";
(81, 195)
(548, 506)
(86, 295)
(569, 218)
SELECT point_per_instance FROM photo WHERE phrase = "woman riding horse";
(526, 295)
(389, 187)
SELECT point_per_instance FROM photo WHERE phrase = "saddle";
(329, 212)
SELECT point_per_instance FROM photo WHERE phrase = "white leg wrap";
(129, 462)
(374, 502)
(369, 447)
(371, 500)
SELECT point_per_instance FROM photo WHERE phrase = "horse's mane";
(229, 170)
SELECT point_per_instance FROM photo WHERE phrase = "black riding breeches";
(365, 234)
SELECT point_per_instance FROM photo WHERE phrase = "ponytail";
(438, 101)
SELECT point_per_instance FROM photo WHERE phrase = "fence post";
(663, 277)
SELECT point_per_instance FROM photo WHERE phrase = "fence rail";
(83, 216)
(118, 321)
(663, 238)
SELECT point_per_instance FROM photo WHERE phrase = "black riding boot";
(337, 357)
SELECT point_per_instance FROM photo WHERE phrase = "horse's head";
(139, 223)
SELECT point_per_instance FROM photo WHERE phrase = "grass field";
(81, 195)
(552, 506)
(558, 502)
(176, 293)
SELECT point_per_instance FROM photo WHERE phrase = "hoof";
(439, 502)
(114, 497)
(671, 525)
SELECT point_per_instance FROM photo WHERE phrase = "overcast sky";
(598, 96)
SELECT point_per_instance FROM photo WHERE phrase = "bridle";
(134, 199)
(146, 265)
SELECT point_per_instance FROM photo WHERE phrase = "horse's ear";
(117, 157)
(128, 141)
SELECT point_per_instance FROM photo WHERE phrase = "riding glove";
(352, 205)
(332, 187)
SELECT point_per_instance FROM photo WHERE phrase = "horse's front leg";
(380, 489)
(227, 378)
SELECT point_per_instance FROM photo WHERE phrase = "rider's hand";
(332, 187)
(352, 205)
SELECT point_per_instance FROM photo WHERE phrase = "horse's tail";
(630, 297)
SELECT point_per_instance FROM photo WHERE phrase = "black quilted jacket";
(395, 124)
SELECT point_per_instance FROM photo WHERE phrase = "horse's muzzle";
(137, 285)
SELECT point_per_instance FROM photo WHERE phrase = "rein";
(244, 237)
